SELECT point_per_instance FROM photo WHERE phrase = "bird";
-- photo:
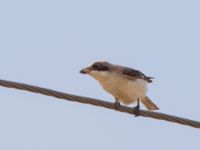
(125, 84)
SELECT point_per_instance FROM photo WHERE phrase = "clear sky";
(47, 42)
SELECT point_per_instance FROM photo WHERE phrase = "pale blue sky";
(47, 42)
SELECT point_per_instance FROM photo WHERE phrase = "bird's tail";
(149, 104)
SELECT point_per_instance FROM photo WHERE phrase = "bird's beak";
(85, 70)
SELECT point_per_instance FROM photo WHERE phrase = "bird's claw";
(117, 105)
(137, 111)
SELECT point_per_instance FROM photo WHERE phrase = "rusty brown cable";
(97, 102)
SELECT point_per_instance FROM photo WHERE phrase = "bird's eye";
(100, 67)
(96, 66)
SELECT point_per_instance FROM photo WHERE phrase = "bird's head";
(98, 70)
(100, 66)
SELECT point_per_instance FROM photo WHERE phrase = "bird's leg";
(137, 108)
(117, 104)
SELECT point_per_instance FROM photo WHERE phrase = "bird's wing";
(135, 74)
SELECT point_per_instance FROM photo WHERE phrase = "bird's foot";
(137, 109)
(117, 105)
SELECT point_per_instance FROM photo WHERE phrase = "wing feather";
(135, 74)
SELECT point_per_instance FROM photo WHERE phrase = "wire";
(97, 102)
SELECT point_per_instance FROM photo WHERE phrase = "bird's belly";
(125, 90)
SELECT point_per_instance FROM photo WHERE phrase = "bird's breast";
(124, 89)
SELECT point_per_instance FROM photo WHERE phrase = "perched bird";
(127, 85)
